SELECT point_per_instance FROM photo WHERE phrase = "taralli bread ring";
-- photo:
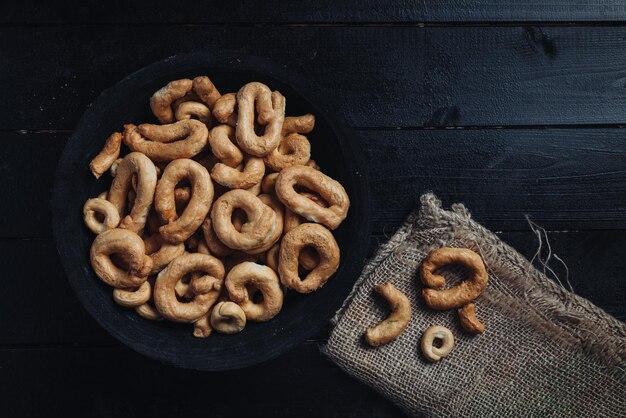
(228, 318)
(298, 124)
(256, 232)
(161, 252)
(162, 143)
(161, 101)
(134, 164)
(105, 158)
(396, 322)
(263, 278)
(461, 294)
(430, 351)
(221, 140)
(322, 240)
(293, 219)
(268, 183)
(330, 190)
(271, 113)
(149, 312)
(215, 246)
(271, 257)
(133, 298)
(248, 176)
(120, 241)
(293, 150)
(469, 321)
(279, 210)
(104, 208)
(206, 90)
(202, 327)
(190, 109)
(255, 190)
(178, 229)
(165, 296)
(224, 109)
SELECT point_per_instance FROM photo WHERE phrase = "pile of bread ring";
(215, 211)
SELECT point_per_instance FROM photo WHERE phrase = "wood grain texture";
(309, 11)
(394, 77)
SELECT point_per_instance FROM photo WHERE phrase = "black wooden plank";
(106, 382)
(37, 305)
(391, 77)
(309, 11)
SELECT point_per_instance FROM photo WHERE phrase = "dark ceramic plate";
(302, 315)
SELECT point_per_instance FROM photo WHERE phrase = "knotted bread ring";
(161, 252)
(262, 278)
(295, 149)
(133, 298)
(104, 208)
(461, 294)
(221, 141)
(430, 351)
(258, 229)
(390, 328)
(165, 295)
(228, 318)
(178, 229)
(162, 143)
(271, 113)
(107, 156)
(215, 246)
(120, 241)
(134, 164)
(320, 239)
(330, 190)
(161, 101)
(186, 110)
(248, 176)
(279, 210)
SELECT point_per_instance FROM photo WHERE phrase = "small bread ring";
(134, 164)
(263, 278)
(461, 294)
(116, 241)
(224, 109)
(221, 140)
(244, 177)
(161, 101)
(187, 110)
(298, 124)
(256, 232)
(271, 113)
(133, 298)
(206, 90)
(178, 229)
(431, 334)
(295, 149)
(322, 240)
(390, 328)
(163, 143)
(215, 246)
(279, 210)
(330, 190)
(164, 292)
(107, 156)
(469, 321)
(228, 318)
(161, 252)
(104, 208)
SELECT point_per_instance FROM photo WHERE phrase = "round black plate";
(302, 315)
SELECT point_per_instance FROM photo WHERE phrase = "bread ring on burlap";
(107, 156)
(222, 142)
(298, 124)
(330, 190)
(105, 209)
(215, 246)
(224, 109)
(162, 143)
(258, 229)
(242, 177)
(161, 252)
(178, 229)
(279, 210)
(251, 275)
(134, 164)
(206, 90)
(161, 101)
(165, 298)
(128, 243)
(257, 97)
(190, 109)
(323, 242)
(295, 149)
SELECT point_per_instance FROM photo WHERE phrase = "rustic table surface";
(512, 107)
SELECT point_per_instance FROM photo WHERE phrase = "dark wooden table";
(513, 108)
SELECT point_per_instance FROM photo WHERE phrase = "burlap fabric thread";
(545, 351)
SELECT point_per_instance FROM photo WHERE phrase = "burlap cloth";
(545, 351)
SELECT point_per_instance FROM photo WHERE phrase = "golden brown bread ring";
(271, 113)
(107, 156)
(104, 208)
(298, 124)
(165, 295)
(228, 318)
(279, 210)
(295, 149)
(206, 90)
(161, 252)
(391, 327)
(178, 229)
(244, 177)
(432, 352)
(261, 220)
(215, 246)
(224, 109)
(133, 298)
(469, 321)
(161, 101)
(134, 164)
(330, 190)
(120, 241)
(323, 242)
(190, 109)
(221, 140)
(461, 294)
(163, 143)
(251, 275)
